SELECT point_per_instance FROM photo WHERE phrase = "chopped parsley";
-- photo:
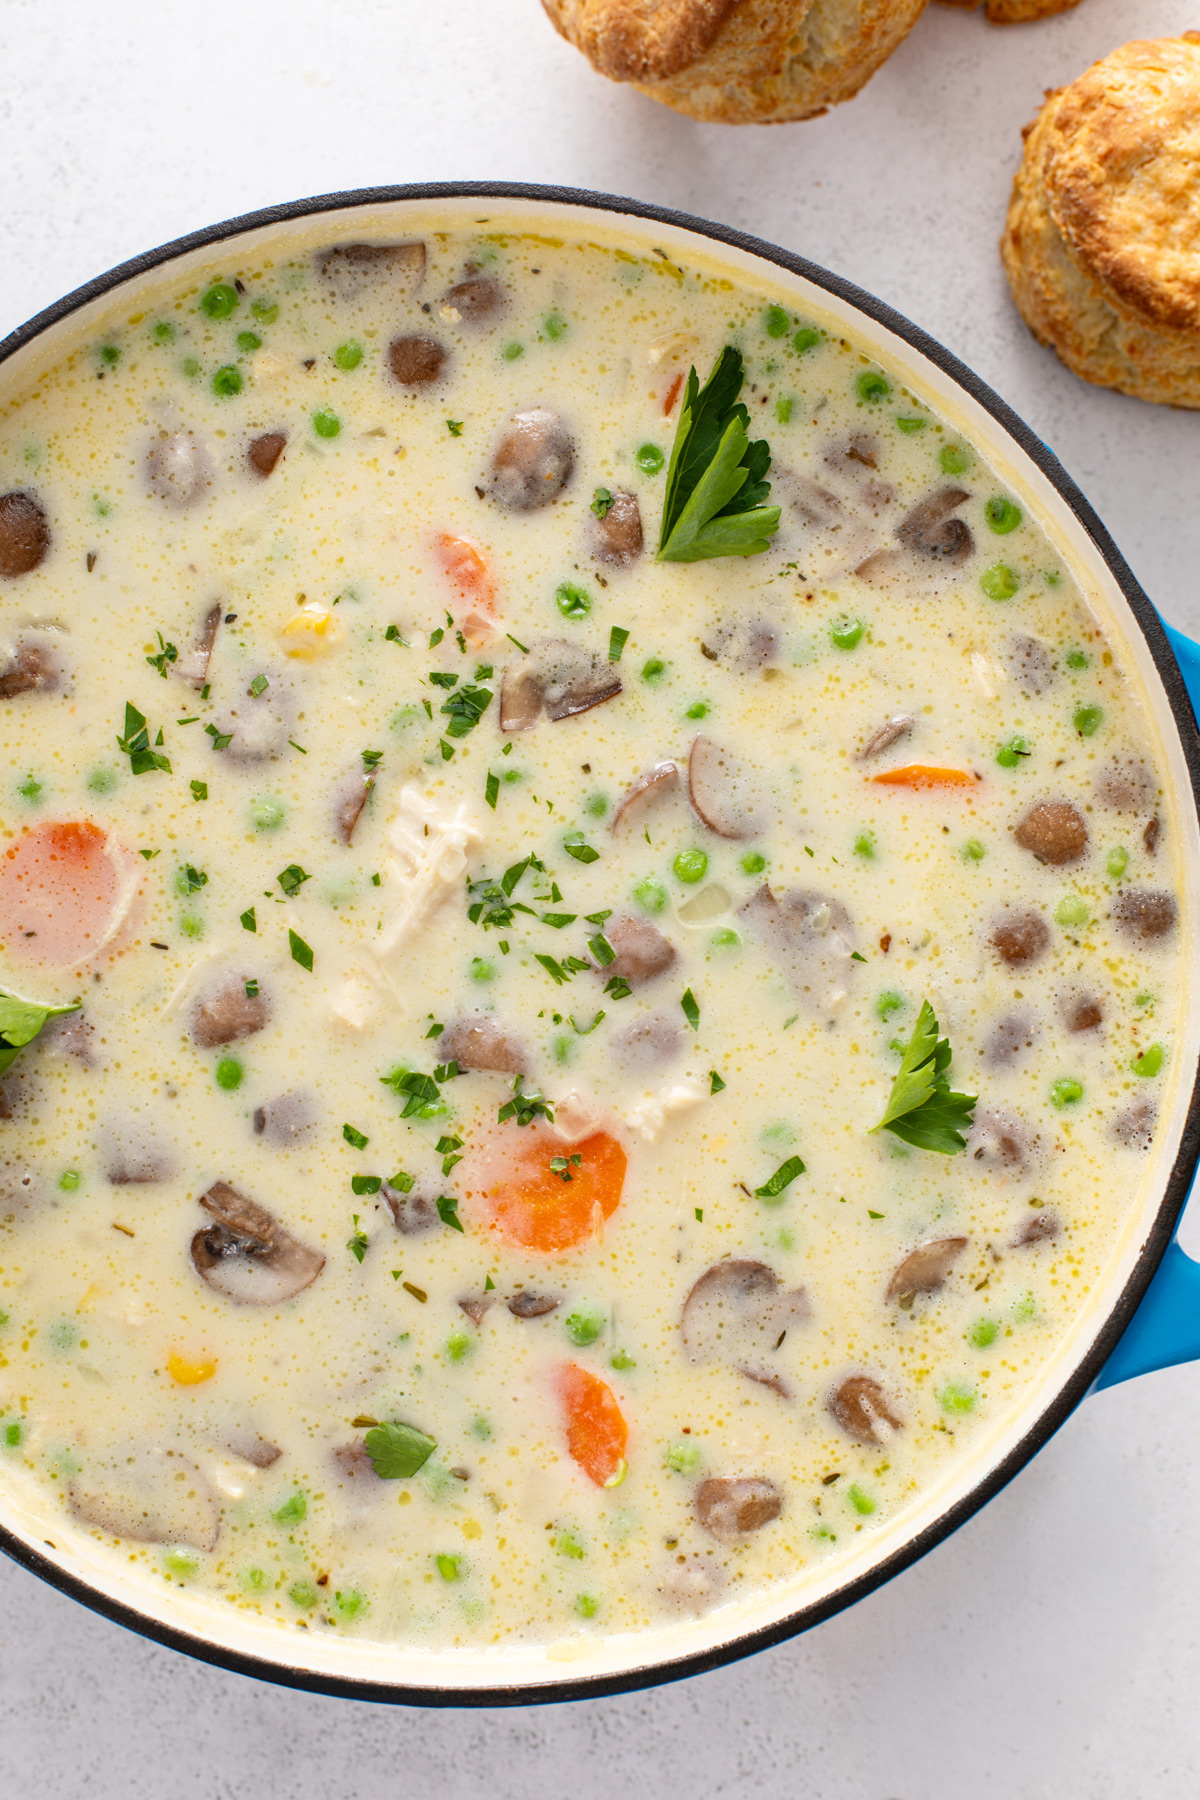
(422, 1093)
(191, 880)
(617, 988)
(586, 1030)
(715, 490)
(392, 636)
(922, 1110)
(574, 846)
(618, 637)
(448, 1211)
(601, 501)
(465, 709)
(443, 678)
(560, 971)
(691, 1010)
(353, 1136)
(166, 653)
(301, 952)
(221, 739)
(783, 1177)
(716, 1085)
(491, 790)
(292, 879)
(136, 744)
(525, 1108)
(397, 1451)
(199, 790)
(249, 922)
(356, 1243)
(561, 1165)
(258, 686)
(602, 950)
(448, 1148)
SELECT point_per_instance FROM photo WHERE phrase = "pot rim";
(1178, 1181)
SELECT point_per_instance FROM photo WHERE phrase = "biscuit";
(1014, 12)
(738, 62)
(1102, 242)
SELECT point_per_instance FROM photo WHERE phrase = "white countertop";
(1052, 1648)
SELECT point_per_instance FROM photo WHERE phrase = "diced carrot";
(529, 1202)
(672, 396)
(65, 888)
(467, 569)
(921, 775)
(596, 1430)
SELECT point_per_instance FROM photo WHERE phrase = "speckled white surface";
(1049, 1651)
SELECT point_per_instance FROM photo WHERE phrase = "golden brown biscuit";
(738, 62)
(1014, 12)
(1102, 243)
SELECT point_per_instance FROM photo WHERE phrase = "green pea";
(256, 1581)
(888, 1003)
(180, 1563)
(1116, 862)
(1012, 754)
(191, 925)
(102, 781)
(449, 1567)
(62, 1334)
(596, 805)
(227, 381)
(70, 1180)
(1002, 515)
(724, 938)
(699, 709)
(554, 326)
(805, 339)
(691, 865)
(219, 301)
(1000, 582)
(164, 333)
(512, 351)
(954, 459)
(958, 1397)
(482, 969)
(110, 354)
(573, 602)
(846, 632)
(459, 1344)
(1148, 1061)
(684, 1458)
(293, 1511)
(265, 311)
(1066, 1092)
(864, 845)
(303, 1594)
(30, 789)
(872, 387)
(587, 1605)
(649, 459)
(973, 851)
(229, 1073)
(654, 670)
(585, 1324)
(1024, 1306)
(248, 340)
(783, 409)
(266, 814)
(13, 1434)
(650, 895)
(351, 1603)
(326, 424)
(910, 426)
(1087, 720)
(567, 1544)
(348, 355)
(1077, 659)
(983, 1333)
(860, 1500)
(776, 322)
(191, 367)
(1071, 911)
(754, 862)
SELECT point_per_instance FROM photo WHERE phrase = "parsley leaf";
(292, 879)
(783, 1177)
(136, 744)
(167, 653)
(356, 1244)
(922, 1110)
(448, 1211)
(465, 709)
(301, 952)
(715, 483)
(525, 1108)
(397, 1451)
(20, 1022)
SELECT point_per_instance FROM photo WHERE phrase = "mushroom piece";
(476, 300)
(416, 360)
(148, 1495)
(810, 937)
(354, 1464)
(929, 530)
(32, 668)
(1030, 663)
(1000, 1140)
(1151, 835)
(247, 1255)
(646, 1044)
(925, 1269)
(1020, 937)
(1145, 914)
(177, 469)
(1126, 785)
(24, 534)
(520, 699)
(617, 537)
(860, 1406)
(1134, 1127)
(692, 1582)
(478, 1041)
(528, 1305)
(858, 452)
(749, 645)
(642, 950)
(69, 1035)
(1040, 1229)
(732, 1507)
(192, 666)
(721, 791)
(557, 678)
(134, 1156)
(1054, 831)
(889, 733)
(767, 1378)
(260, 725)
(1082, 1012)
(286, 1120)
(1009, 1038)
(253, 1448)
(264, 452)
(226, 1013)
(475, 1306)
(352, 270)
(652, 785)
(411, 1213)
(351, 797)
(736, 1312)
(533, 461)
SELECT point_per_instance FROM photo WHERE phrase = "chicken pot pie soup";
(591, 939)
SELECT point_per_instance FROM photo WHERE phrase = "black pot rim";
(1183, 1168)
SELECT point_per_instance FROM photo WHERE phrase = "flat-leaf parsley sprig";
(715, 493)
(922, 1110)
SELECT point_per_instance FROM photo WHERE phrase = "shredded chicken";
(430, 848)
(651, 1115)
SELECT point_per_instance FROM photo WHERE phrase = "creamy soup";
(456, 1210)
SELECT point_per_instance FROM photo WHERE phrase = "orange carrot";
(65, 887)
(921, 775)
(596, 1430)
(467, 569)
(672, 396)
(529, 1202)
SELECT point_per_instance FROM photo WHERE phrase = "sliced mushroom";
(1009, 1038)
(731, 1507)
(737, 1313)
(226, 1013)
(646, 1044)
(528, 1305)
(478, 1041)
(70, 1035)
(264, 452)
(748, 645)
(354, 1465)
(1082, 1012)
(246, 1255)
(1030, 663)
(416, 360)
(930, 531)
(475, 1306)
(32, 668)
(1145, 914)
(260, 725)
(520, 699)
(1126, 785)
(860, 451)
(810, 937)
(1040, 1229)
(533, 461)
(253, 1448)
(287, 1120)
(14, 1094)
(149, 1496)
(1151, 835)
(351, 797)
(477, 300)
(692, 1582)
(133, 1155)
(353, 270)
(768, 1378)
(642, 950)
(654, 784)
(24, 533)
(177, 469)
(1054, 831)
(558, 678)
(927, 1268)
(722, 791)
(1000, 1140)
(617, 537)
(889, 733)
(192, 666)
(860, 1406)
(1134, 1127)
(412, 1213)
(1021, 937)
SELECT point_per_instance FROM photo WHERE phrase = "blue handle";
(1165, 1329)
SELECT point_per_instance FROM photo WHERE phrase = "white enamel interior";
(585, 1657)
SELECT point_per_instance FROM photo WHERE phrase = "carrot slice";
(596, 1430)
(672, 396)
(65, 890)
(921, 775)
(467, 569)
(531, 1204)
